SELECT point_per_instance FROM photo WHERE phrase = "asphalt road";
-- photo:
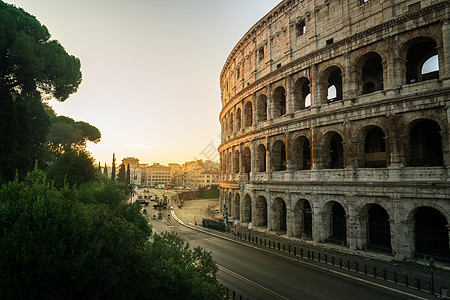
(259, 274)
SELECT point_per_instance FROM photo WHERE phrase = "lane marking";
(248, 281)
(302, 261)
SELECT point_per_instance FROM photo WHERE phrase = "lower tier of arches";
(398, 221)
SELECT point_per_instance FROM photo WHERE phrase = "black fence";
(425, 283)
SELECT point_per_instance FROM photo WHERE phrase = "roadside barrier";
(420, 283)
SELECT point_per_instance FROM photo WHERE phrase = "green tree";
(121, 175)
(74, 167)
(85, 243)
(105, 170)
(128, 179)
(113, 168)
(32, 67)
(67, 134)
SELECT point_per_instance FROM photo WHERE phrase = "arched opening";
(334, 89)
(425, 144)
(248, 114)
(431, 234)
(372, 73)
(247, 209)
(261, 212)
(261, 158)
(338, 225)
(378, 229)
(279, 156)
(238, 119)
(420, 53)
(247, 160)
(375, 148)
(236, 161)
(279, 102)
(301, 154)
(302, 94)
(237, 207)
(279, 215)
(261, 108)
(336, 152)
(302, 219)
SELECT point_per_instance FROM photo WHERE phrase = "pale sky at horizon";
(150, 70)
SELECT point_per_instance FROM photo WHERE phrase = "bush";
(85, 244)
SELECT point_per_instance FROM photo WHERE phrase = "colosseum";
(335, 125)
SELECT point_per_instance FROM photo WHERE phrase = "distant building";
(157, 174)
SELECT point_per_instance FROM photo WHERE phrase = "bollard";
(309, 255)
(332, 260)
(374, 272)
(318, 256)
(301, 252)
(365, 270)
(356, 267)
(444, 292)
(406, 281)
(326, 259)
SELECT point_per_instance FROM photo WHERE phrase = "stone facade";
(335, 125)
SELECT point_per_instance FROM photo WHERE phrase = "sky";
(150, 70)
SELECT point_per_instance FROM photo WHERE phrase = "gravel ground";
(193, 211)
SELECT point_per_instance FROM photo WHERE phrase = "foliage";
(180, 272)
(113, 168)
(74, 167)
(128, 179)
(66, 134)
(105, 170)
(121, 175)
(85, 243)
(208, 193)
(32, 66)
(31, 61)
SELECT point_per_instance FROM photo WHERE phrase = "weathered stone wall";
(308, 144)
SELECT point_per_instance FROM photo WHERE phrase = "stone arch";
(279, 102)
(302, 94)
(376, 227)
(335, 223)
(261, 108)
(237, 206)
(247, 209)
(300, 153)
(416, 52)
(237, 161)
(425, 143)
(303, 219)
(261, 158)
(369, 70)
(261, 212)
(372, 147)
(247, 160)
(278, 156)
(279, 215)
(238, 119)
(332, 150)
(431, 233)
(331, 84)
(248, 114)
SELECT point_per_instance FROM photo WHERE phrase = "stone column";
(269, 103)
(444, 63)
(254, 113)
(269, 211)
(353, 229)
(253, 159)
(319, 226)
(242, 116)
(289, 95)
(290, 215)
(268, 159)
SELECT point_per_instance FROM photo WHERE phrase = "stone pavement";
(193, 211)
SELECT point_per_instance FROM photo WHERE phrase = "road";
(260, 274)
